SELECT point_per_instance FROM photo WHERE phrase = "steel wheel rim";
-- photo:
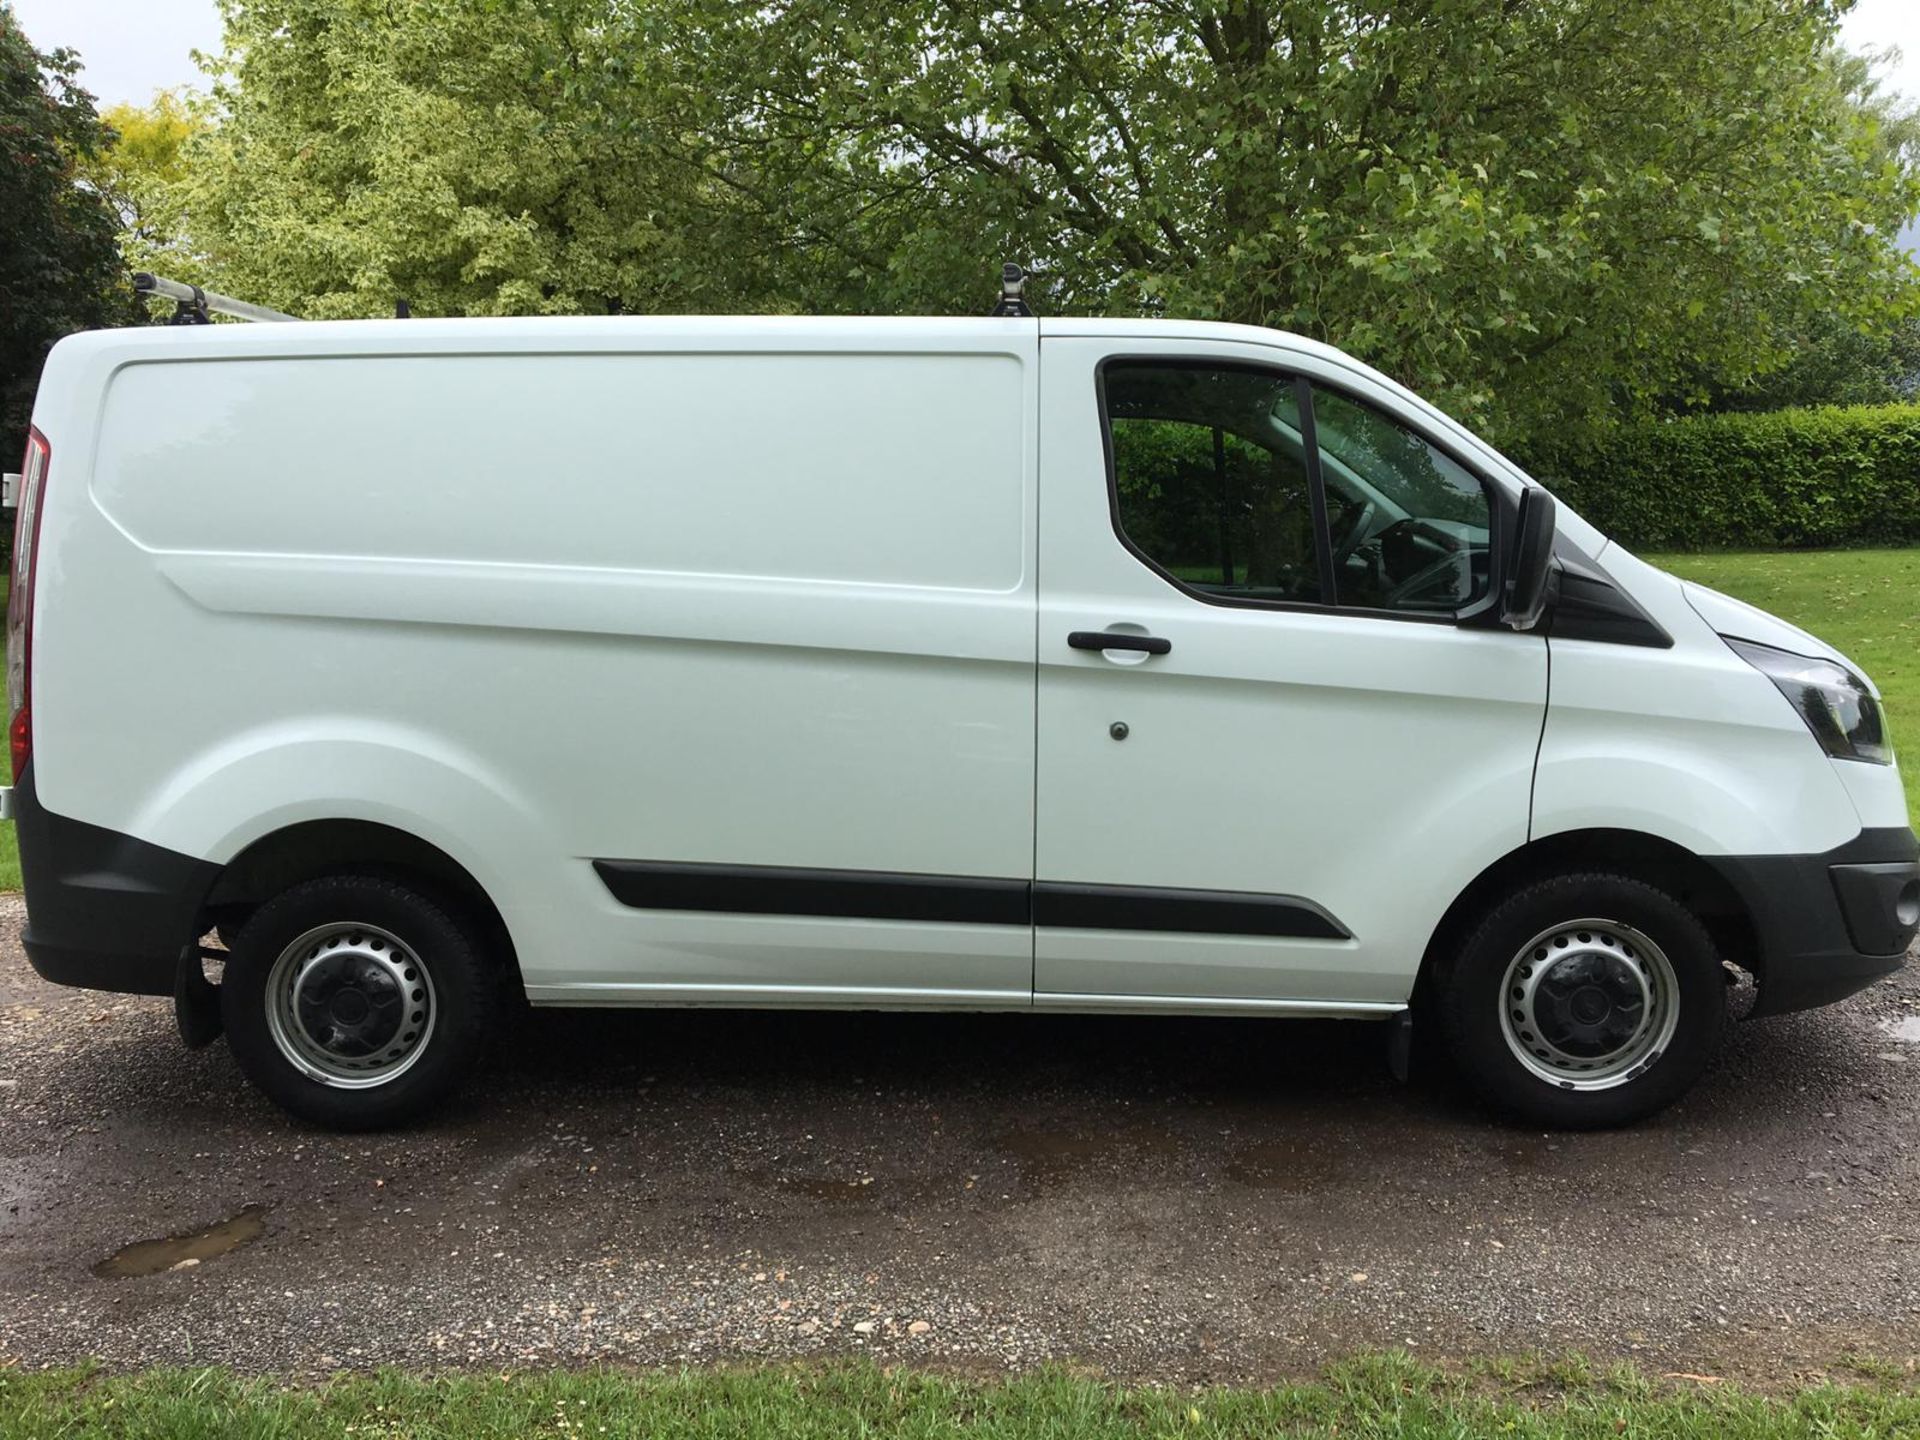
(1589, 1004)
(350, 1005)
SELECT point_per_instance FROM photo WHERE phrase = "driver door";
(1300, 746)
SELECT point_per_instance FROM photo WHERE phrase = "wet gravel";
(1179, 1199)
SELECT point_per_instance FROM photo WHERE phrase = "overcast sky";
(131, 48)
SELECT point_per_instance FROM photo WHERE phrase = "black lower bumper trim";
(1828, 924)
(105, 911)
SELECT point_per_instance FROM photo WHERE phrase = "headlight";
(1835, 702)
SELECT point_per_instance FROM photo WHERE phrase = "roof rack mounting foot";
(1013, 301)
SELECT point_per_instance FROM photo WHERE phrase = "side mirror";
(1530, 565)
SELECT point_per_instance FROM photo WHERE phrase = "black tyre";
(355, 1002)
(1584, 1001)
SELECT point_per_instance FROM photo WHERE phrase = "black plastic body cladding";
(104, 911)
(1828, 924)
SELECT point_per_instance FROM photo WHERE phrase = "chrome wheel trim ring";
(336, 1039)
(1552, 997)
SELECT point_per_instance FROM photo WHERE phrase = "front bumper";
(104, 911)
(1829, 924)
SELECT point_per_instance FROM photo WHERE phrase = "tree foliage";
(1831, 362)
(59, 271)
(1826, 358)
(472, 156)
(1541, 214)
(1536, 212)
(141, 171)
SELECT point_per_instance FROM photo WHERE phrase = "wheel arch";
(1692, 881)
(312, 849)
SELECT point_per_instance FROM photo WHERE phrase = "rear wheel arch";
(316, 849)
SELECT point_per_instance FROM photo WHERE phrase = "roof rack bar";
(194, 303)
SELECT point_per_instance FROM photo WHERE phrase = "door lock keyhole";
(1118, 730)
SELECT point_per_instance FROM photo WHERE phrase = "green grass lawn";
(1866, 603)
(1381, 1397)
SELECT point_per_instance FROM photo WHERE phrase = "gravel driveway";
(1205, 1199)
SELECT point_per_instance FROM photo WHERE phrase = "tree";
(141, 172)
(1538, 213)
(59, 271)
(1868, 358)
(1542, 214)
(1832, 362)
(472, 156)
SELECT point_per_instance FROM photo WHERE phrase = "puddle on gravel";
(1047, 1156)
(815, 1187)
(150, 1257)
(1286, 1166)
(1906, 1029)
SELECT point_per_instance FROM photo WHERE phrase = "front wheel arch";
(1633, 854)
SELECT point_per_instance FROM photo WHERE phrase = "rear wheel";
(1585, 1001)
(356, 1002)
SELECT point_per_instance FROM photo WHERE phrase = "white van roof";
(595, 332)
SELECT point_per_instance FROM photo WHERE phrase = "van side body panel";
(1688, 743)
(755, 594)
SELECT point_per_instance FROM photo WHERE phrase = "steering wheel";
(1357, 533)
(1442, 568)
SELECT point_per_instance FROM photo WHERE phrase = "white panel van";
(1065, 665)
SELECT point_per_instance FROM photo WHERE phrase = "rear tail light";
(26, 544)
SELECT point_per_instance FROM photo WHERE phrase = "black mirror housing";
(1530, 563)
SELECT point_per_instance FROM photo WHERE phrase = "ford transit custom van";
(995, 664)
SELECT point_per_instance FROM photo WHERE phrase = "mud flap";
(196, 1002)
(1400, 1045)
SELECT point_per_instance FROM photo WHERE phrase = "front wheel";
(1585, 1001)
(354, 1002)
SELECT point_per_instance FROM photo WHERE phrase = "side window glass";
(1210, 478)
(1411, 529)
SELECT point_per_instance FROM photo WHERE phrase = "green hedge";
(1793, 478)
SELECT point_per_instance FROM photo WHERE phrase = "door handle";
(1118, 640)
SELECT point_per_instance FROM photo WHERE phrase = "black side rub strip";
(846, 894)
(958, 899)
(1061, 906)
